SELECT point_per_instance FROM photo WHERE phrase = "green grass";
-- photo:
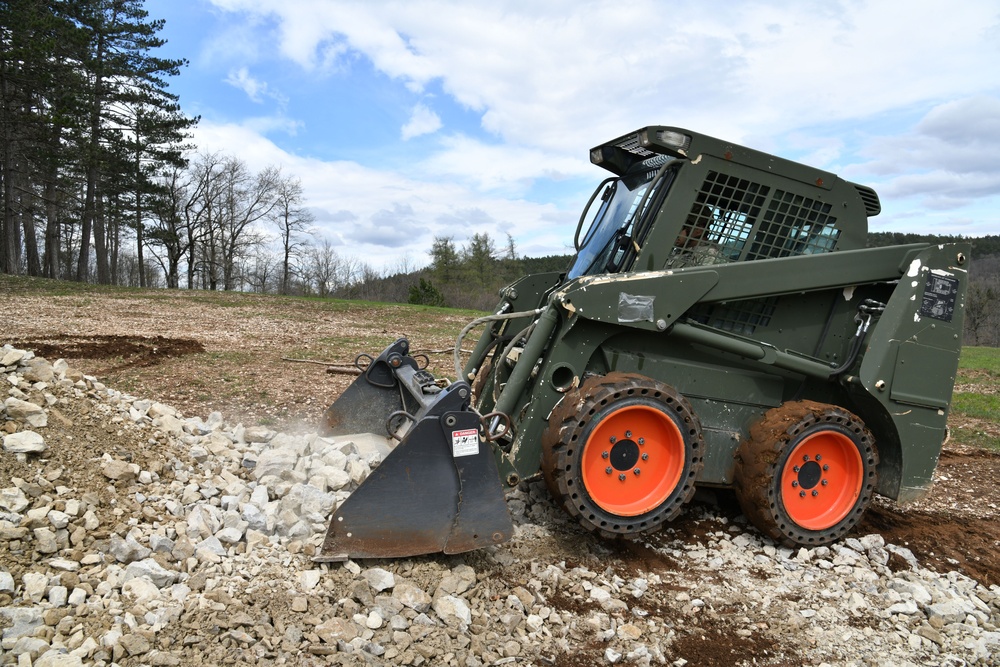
(978, 409)
(980, 406)
(981, 358)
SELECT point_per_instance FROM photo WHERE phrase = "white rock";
(59, 520)
(24, 442)
(56, 658)
(45, 541)
(258, 434)
(599, 594)
(309, 579)
(77, 597)
(6, 582)
(58, 596)
(274, 461)
(11, 356)
(150, 569)
(410, 595)
(142, 590)
(13, 499)
(230, 535)
(34, 585)
(452, 610)
(379, 579)
(127, 549)
(27, 412)
(203, 521)
(534, 623)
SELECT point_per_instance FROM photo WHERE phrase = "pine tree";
(132, 119)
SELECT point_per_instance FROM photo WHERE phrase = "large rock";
(13, 499)
(38, 370)
(274, 461)
(452, 610)
(119, 471)
(56, 658)
(24, 442)
(21, 621)
(151, 570)
(26, 412)
(9, 356)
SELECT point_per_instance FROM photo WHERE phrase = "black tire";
(807, 473)
(600, 440)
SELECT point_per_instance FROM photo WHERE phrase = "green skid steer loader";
(722, 324)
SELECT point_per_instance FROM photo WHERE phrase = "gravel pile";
(132, 535)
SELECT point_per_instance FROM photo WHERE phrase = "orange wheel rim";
(633, 460)
(822, 480)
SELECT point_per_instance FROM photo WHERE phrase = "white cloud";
(840, 85)
(373, 213)
(535, 71)
(422, 121)
(241, 79)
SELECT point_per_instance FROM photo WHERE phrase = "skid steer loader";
(722, 324)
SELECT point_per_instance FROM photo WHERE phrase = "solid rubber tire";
(766, 471)
(615, 401)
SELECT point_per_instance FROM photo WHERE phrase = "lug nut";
(608, 470)
(824, 482)
(642, 441)
(805, 458)
(795, 483)
(645, 457)
(826, 466)
(818, 457)
(636, 471)
(628, 434)
(815, 493)
(796, 468)
(802, 494)
(613, 440)
(604, 455)
(622, 477)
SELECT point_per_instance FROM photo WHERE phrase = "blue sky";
(415, 119)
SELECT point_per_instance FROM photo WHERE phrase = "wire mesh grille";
(739, 317)
(794, 225)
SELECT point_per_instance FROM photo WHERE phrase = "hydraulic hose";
(483, 320)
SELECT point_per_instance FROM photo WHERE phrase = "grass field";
(975, 405)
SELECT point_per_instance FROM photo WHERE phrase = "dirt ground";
(237, 358)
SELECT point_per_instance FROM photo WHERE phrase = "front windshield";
(612, 225)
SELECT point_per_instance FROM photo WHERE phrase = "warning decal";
(465, 442)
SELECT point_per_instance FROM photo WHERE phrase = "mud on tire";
(622, 453)
(807, 473)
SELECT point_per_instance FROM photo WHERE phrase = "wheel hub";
(809, 475)
(624, 454)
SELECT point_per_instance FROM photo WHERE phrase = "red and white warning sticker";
(465, 442)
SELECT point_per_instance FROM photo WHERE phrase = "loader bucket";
(365, 406)
(437, 491)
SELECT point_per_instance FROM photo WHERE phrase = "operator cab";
(679, 199)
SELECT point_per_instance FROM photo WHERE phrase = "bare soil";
(232, 354)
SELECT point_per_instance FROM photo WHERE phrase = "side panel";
(909, 369)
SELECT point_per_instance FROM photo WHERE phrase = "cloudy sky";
(414, 119)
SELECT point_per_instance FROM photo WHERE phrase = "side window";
(719, 223)
(794, 225)
(734, 219)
